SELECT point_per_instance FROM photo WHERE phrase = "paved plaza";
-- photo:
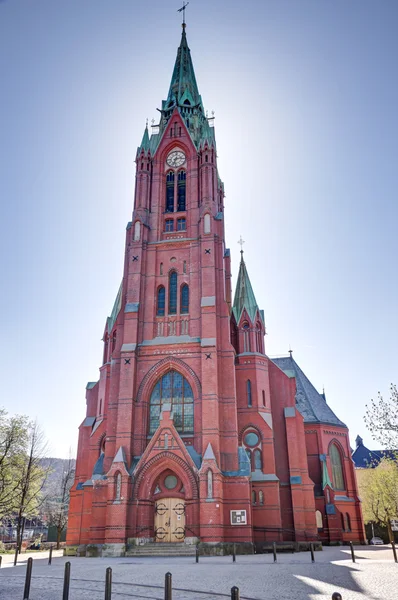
(293, 577)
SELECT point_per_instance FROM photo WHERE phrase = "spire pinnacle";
(241, 241)
(244, 295)
(182, 9)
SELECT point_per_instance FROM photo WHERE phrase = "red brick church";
(192, 433)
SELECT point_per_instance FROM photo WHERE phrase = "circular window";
(170, 482)
(251, 439)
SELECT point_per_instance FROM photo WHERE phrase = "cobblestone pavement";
(373, 576)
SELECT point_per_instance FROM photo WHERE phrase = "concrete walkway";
(293, 577)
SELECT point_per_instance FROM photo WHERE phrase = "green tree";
(13, 443)
(381, 418)
(379, 493)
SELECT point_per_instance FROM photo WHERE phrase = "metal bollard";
(394, 551)
(50, 555)
(1, 558)
(336, 596)
(27, 579)
(312, 553)
(274, 550)
(167, 587)
(233, 554)
(16, 556)
(65, 593)
(235, 595)
(108, 584)
(197, 554)
(352, 552)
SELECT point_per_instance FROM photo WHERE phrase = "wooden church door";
(170, 520)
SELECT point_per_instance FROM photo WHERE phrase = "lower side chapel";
(192, 433)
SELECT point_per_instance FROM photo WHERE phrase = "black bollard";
(50, 555)
(394, 551)
(336, 596)
(27, 579)
(312, 553)
(235, 595)
(16, 556)
(1, 558)
(233, 554)
(167, 587)
(65, 593)
(352, 552)
(274, 550)
(108, 584)
(197, 554)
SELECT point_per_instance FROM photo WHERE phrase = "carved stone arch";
(250, 426)
(150, 471)
(100, 442)
(169, 363)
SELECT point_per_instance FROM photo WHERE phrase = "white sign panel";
(238, 517)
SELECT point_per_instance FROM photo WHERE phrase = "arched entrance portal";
(169, 518)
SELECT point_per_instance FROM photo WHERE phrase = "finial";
(241, 241)
(146, 123)
(290, 351)
(182, 9)
(153, 122)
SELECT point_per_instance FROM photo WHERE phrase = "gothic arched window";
(137, 231)
(258, 463)
(319, 519)
(173, 293)
(181, 195)
(184, 305)
(347, 522)
(261, 497)
(254, 497)
(172, 389)
(118, 486)
(206, 223)
(170, 192)
(210, 483)
(246, 338)
(161, 301)
(337, 469)
(106, 343)
(249, 393)
(259, 341)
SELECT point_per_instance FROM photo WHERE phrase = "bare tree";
(56, 505)
(381, 418)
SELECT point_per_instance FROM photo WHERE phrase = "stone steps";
(159, 549)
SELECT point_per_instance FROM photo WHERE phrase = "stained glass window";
(172, 389)
(184, 308)
(118, 486)
(337, 469)
(173, 293)
(257, 459)
(161, 302)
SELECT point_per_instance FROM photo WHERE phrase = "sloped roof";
(364, 458)
(244, 295)
(311, 404)
(183, 84)
(115, 310)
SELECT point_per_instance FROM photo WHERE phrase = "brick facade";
(218, 348)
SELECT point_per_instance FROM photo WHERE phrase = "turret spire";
(244, 295)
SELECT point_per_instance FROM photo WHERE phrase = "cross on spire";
(241, 241)
(182, 9)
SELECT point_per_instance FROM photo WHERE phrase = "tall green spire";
(244, 295)
(145, 140)
(183, 89)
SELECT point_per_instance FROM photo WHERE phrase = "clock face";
(176, 158)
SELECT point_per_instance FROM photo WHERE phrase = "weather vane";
(241, 242)
(182, 9)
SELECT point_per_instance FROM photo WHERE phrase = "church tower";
(180, 435)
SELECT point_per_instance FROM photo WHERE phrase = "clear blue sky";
(305, 94)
